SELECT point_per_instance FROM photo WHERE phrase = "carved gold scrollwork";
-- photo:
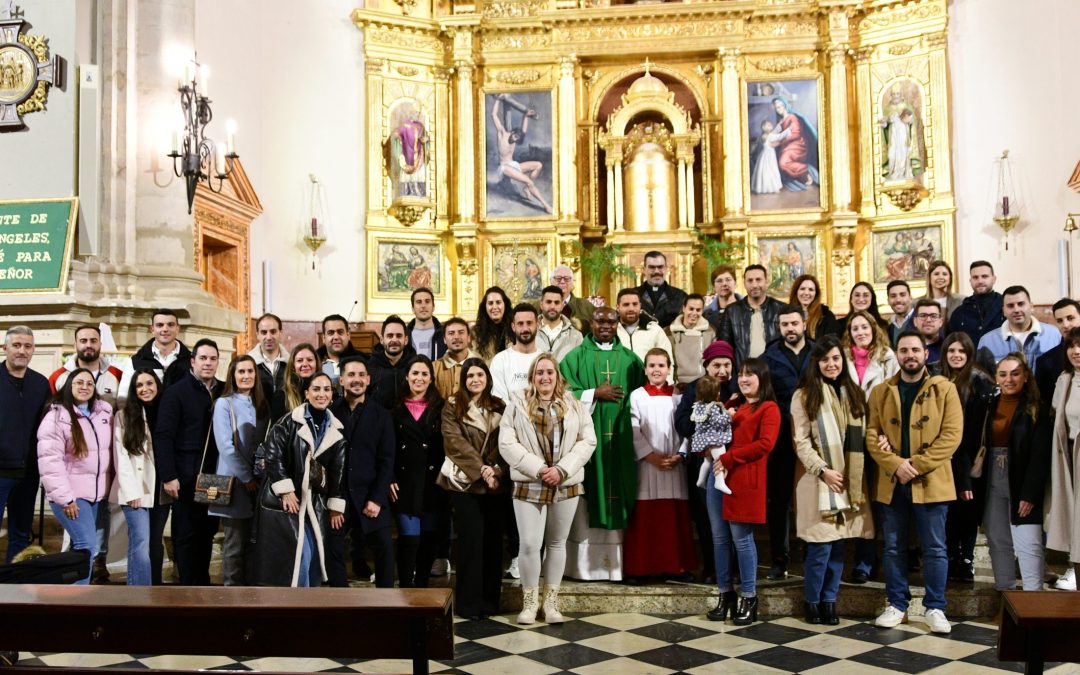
(514, 9)
(569, 252)
(764, 29)
(517, 76)
(407, 71)
(904, 195)
(888, 17)
(900, 48)
(407, 6)
(782, 64)
(407, 214)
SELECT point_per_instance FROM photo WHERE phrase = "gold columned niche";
(649, 184)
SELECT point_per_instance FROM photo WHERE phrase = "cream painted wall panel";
(1014, 86)
(292, 77)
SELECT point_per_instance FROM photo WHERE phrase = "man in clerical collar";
(458, 348)
(660, 300)
(602, 372)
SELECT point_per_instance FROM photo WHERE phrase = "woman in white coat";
(135, 488)
(546, 436)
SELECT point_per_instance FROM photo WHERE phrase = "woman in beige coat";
(1063, 517)
(690, 335)
(546, 436)
(832, 502)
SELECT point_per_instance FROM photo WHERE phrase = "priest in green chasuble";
(602, 373)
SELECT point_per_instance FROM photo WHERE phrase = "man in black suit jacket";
(181, 438)
(1051, 364)
(369, 470)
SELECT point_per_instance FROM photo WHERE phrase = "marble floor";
(623, 644)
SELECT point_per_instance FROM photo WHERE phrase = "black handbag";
(212, 488)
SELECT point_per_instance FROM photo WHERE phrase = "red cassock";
(754, 433)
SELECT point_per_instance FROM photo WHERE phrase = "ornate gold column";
(733, 164)
(838, 124)
(609, 166)
(466, 143)
(680, 179)
(617, 160)
(567, 138)
(940, 169)
(374, 69)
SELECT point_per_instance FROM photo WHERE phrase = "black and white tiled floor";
(624, 644)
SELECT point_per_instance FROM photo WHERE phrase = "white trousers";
(547, 526)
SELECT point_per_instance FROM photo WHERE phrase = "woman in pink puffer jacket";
(75, 459)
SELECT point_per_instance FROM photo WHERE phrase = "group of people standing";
(594, 441)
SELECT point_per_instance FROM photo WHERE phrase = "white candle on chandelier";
(176, 141)
(189, 74)
(204, 81)
(230, 136)
(220, 162)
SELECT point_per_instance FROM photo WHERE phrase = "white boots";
(529, 605)
(551, 605)
(530, 602)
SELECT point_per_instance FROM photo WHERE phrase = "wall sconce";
(1070, 227)
(1006, 210)
(196, 157)
(315, 232)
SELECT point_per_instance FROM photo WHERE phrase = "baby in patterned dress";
(712, 431)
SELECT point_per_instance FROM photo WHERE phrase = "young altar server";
(658, 541)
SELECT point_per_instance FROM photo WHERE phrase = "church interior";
(357, 151)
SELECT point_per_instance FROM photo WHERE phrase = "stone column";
(567, 139)
(690, 216)
(610, 167)
(680, 177)
(731, 98)
(618, 193)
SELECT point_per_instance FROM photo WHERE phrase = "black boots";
(812, 613)
(747, 612)
(827, 613)
(724, 604)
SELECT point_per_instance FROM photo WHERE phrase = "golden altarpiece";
(505, 135)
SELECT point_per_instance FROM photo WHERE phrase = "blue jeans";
(822, 569)
(138, 556)
(930, 525)
(723, 533)
(866, 558)
(310, 569)
(82, 529)
(17, 496)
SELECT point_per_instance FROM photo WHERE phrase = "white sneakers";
(935, 619)
(893, 617)
(1067, 581)
(514, 571)
(890, 618)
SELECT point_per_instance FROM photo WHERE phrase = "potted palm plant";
(599, 260)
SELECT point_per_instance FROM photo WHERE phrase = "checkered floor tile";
(596, 644)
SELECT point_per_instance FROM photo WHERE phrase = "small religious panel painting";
(408, 151)
(785, 156)
(404, 266)
(903, 149)
(905, 254)
(518, 154)
(521, 269)
(786, 258)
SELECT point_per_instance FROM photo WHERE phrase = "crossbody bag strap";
(202, 462)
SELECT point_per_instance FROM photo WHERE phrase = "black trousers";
(700, 514)
(159, 516)
(779, 491)
(479, 521)
(193, 531)
(380, 541)
(962, 528)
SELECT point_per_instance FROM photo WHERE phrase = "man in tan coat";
(916, 421)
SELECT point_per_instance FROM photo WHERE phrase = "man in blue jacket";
(369, 470)
(23, 395)
(181, 438)
(1020, 333)
(787, 359)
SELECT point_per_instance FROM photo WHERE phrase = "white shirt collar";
(1006, 329)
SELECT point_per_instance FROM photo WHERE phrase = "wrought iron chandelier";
(196, 157)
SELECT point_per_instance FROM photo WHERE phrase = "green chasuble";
(611, 474)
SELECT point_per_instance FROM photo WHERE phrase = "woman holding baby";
(832, 502)
(755, 427)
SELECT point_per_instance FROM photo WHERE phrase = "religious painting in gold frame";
(784, 164)
(521, 268)
(519, 160)
(905, 253)
(787, 255)
(399, 263)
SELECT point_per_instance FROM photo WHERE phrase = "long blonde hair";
(879, 344)
(532, 396)
(294, 394)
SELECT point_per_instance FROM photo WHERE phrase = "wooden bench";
(414, 624)
(1039, 626)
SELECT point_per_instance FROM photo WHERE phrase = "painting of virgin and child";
(785, 167)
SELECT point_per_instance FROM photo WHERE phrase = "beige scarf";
(842, 451)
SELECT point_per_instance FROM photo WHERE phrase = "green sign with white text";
(35, 244)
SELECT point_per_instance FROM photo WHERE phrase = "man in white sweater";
(510, 367)
(632, 334)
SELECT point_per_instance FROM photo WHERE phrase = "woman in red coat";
(755, 427)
